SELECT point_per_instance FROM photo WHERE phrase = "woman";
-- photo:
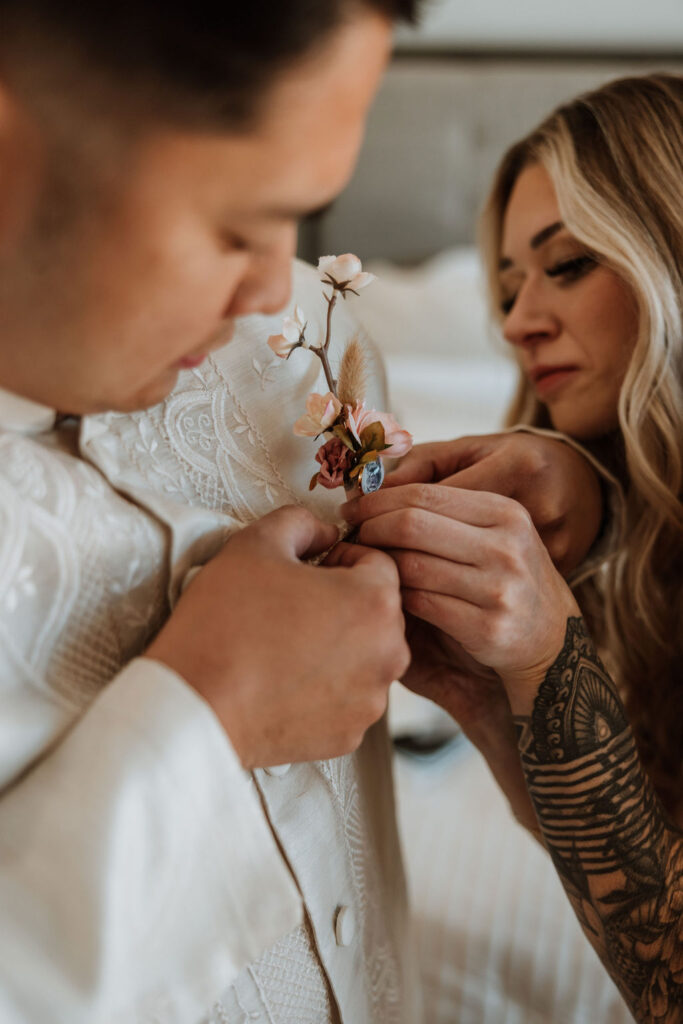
(583, 242)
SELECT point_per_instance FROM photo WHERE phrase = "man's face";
(200, 229)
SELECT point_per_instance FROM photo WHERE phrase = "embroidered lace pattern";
(202, 447)
(286, 985)
(82, 577)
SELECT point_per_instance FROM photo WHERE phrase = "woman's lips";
(547, 379)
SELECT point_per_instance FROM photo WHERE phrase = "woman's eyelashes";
(572, 269)
(566, 271)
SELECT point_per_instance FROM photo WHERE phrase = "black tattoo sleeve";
(619, 859)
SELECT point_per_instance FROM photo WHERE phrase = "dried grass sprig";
(353, 375)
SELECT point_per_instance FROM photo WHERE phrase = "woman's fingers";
(419, 571)
(416, 529)
(430, 463)
(458, 618)
(474, 507)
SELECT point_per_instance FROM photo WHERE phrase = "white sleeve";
(138, 873)
(613, 495)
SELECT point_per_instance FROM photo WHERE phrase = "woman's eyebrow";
(545, 234)
(536, 242)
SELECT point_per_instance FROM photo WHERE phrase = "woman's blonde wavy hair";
(615, 157)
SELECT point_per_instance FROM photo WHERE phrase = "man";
(156, 159)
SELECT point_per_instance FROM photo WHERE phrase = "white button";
(277, 770)
(344, 926)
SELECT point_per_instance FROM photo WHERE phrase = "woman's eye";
(572, 270)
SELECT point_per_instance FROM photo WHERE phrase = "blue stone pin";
(372, 476)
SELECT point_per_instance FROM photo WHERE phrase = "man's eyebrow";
(536, 242)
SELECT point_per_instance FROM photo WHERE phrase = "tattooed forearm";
(619, 859)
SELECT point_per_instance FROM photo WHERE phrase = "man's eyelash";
(569, 270)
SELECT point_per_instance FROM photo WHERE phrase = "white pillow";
(435, 309)
(448, 370)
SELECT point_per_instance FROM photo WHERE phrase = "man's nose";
(267, 285)
(530, 320)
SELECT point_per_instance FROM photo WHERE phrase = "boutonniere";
(356, 438)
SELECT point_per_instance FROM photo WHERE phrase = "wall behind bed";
(435, 135)
(466, 83)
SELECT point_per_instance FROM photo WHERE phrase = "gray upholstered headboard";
(436, 133)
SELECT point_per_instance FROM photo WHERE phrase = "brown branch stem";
(322, 356)
(322, 352)
(331, 302)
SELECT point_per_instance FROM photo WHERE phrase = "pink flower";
(292, 334)
(335, 459)
(346, 272)
(400, 440)
(321, 412)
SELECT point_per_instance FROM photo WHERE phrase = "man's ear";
(21, 161)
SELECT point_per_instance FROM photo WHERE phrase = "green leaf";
(368, 457)
(344, 435)
(372, 437)
(314, 480)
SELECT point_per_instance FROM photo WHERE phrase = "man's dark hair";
(209, 60)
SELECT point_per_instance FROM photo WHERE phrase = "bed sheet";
(497, 941)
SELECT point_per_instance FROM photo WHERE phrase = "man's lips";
(547, 378)
(221, 336)
(188, 362)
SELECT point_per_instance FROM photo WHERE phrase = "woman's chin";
(584, 425)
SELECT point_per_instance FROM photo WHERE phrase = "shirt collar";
(23, 416)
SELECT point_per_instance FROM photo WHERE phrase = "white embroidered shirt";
(144, 876)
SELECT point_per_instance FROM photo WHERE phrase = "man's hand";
(295, 660)
(558, 487)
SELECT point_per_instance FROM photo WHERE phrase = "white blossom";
(293, 328)
(345, 271)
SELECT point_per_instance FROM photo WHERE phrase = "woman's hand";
(443, 671)
(558, 486)
(473, 566)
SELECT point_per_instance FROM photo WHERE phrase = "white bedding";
(497, 940)
(448, 372)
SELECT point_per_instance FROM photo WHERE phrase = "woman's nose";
(530, 320)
